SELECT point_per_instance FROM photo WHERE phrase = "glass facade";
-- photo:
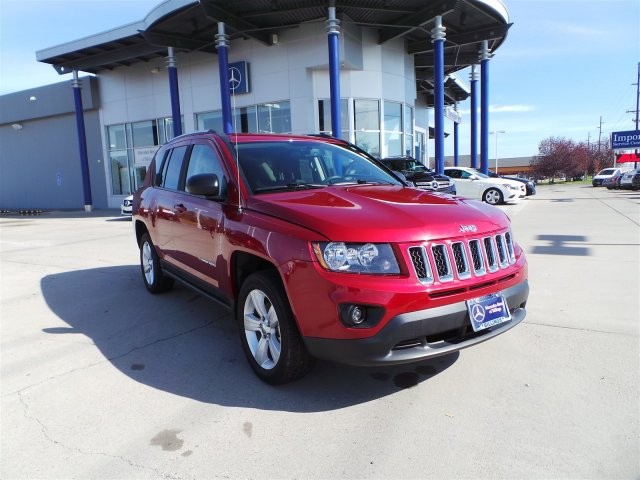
(381, 127)
(324, 117)
(409, 148)
(366, 125)
(382, 132)
(131, 148)
(274, 117)
(393, 128)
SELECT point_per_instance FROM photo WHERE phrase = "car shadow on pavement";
(185, 344)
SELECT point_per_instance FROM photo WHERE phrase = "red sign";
(627, 157)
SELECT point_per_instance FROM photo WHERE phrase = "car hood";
(380, 213)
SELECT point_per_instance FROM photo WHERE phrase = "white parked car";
(127, 206)
(603, 175)
(471, 183)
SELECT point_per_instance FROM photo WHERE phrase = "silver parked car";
(626, 182)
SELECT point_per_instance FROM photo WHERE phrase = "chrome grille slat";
(490, 250)
(462, 258)
(503, 260)
(443, 264)
(512, 253)
(478, 258)
(421, 264)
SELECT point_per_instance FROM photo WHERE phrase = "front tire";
(152, 275)
(493, 196)
(268, 332)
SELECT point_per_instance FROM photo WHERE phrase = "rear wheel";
(493, 196)
(152, 275)
(269, 335)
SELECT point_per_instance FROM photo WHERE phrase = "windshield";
(281, 165)
(607, 171)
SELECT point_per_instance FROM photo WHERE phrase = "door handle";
(179, 208)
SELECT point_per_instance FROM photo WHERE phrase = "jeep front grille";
(462, 259)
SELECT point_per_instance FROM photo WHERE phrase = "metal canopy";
(189, 25)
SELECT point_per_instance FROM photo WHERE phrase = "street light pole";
(496, 132)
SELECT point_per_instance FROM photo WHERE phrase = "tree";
(601, 156)
(554, 157)
(561, 156)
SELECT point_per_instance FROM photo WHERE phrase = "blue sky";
(565, 63)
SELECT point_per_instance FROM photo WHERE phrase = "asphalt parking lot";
(99, 379)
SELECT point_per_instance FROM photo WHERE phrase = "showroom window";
(145, 134)
(274, 117)
(366, 123)
(131, 148)
(324, 117)
(408, 130)
(393, 128)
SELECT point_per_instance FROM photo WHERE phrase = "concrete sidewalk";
(100, 379)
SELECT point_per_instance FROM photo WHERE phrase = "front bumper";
(416, 336)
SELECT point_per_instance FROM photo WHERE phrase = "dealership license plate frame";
(488, 311)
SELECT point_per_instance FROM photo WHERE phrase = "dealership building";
(372, 72)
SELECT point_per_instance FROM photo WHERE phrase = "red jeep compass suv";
(321, 251)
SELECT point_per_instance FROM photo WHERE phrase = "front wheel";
(493, 196)
(152, 275)
(269, 335)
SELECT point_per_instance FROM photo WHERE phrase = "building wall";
(40, 162)
(506, 166)
(295, 70)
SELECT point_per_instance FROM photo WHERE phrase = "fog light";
(356, 315)
(360, 316)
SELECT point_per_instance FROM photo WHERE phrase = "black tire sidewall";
(294, 361)
(160, 283)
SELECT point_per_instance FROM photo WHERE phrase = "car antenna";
(235, 131)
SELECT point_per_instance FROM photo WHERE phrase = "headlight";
(510, 187)
(375, 258)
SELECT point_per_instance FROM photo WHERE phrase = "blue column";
(438, 35)
(474, 117)
(484, 107)
(333, 36)
(222, 44)
(82, 142)
(174, 93)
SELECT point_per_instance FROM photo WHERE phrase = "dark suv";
(419, 175)
(319, 251)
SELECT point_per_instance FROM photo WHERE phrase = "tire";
(493, 196)
(268, 333)
(152, 275)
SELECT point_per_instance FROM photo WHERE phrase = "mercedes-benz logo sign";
(235, 77)
(477, 312)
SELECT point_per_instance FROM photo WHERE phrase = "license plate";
(488, 311)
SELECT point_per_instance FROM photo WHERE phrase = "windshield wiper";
(288, 186)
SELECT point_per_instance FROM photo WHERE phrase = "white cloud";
(511, 108)
(516, 108)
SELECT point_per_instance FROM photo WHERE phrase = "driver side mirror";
(205, 184)
(474, 177)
